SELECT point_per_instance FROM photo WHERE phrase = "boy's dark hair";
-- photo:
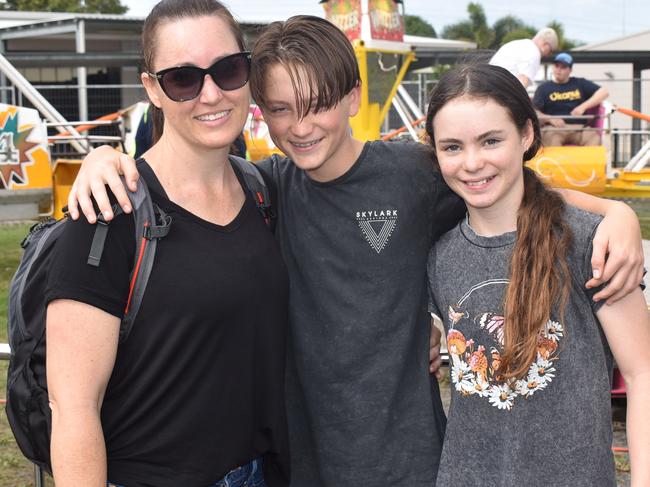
(319, 58)
(539, 273)
(170, 10)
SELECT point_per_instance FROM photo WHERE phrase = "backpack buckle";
(161, 230)
(267, 211)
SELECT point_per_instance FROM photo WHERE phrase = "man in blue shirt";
(570, 96)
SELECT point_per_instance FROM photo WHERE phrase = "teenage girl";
(530, 350)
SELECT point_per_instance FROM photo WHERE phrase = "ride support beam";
(636, 104)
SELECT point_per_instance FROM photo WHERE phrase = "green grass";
(642, 208)
(622, 461)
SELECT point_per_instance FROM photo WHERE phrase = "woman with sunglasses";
(194, 397)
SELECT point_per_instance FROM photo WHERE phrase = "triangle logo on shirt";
(377, 227)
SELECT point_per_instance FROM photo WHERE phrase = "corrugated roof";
(13, 21)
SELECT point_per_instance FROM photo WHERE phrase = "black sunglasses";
(184, 83)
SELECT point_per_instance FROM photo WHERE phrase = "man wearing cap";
(522, 57)
(569, 96)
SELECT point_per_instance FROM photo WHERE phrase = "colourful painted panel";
(385, 20)
(24, 154)
(346, 14)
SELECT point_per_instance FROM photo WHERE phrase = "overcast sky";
(585, 20)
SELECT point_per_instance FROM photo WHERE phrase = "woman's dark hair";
(168, 11)
(316, 53)
(539, 272)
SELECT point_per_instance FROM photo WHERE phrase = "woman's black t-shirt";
(198, 387)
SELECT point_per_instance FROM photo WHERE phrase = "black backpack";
(27, 405)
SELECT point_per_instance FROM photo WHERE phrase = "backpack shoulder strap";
(151, 224)
(257, 187)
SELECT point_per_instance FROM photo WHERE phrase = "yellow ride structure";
(31, 185)
(589, 169)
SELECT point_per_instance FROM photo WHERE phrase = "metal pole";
(39, 476)
(3, 78)
(406, 98)
(38, 100)
(422, 92)
(636, 105)
(80, 42)
(405, 119)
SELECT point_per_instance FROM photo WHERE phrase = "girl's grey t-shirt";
(553, 427)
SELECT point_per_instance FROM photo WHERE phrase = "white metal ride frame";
(403, 103)
(45, 108)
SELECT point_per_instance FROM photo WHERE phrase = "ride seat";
(601, 120)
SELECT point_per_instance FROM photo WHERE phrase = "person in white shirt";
(522, 57)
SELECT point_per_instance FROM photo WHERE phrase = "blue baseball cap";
(564, 58)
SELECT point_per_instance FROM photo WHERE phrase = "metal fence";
(625, 144)
(8, 95)
(419, 90)
(102, 99)
(68, 146)
(627, 136)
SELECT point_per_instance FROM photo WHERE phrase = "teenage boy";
(356, 222)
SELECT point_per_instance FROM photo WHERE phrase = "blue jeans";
(249, 475)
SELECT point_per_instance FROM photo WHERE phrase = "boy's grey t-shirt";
(554, 426)
(362, 407)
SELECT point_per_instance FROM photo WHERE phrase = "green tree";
(475, 29)
(564, 43)
(483, 34)
(460, 31)
(88, 6)
(510, 28)
(415, 25)
(513, 35)
(505, 29)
